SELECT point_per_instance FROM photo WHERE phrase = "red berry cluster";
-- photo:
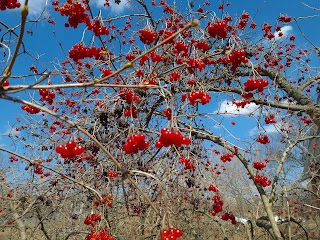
(46, 95)
(195, 63)
(92, 219)
(112, 174)
(213, 188)
(226, 157)
(169, 137)
(243, 21)
(74, 10)
(247, 95)
(70, 150)
(306, 120)
(171, 234)
(267, 31)
(201, 96)
(31, 110)
(128, 96)
(97, 28)
(10, 4)
(181, 47)
(204, 46)
(156, 57)
(188, 165)
(38, 170)
(79, 52)
(13, 159)
(284, 19)
(253, 84)
(237, 57)
(241, 104)
(264, 181)
(6, 83)
(131, 112)
(217, 205)
(263, 139)
(229, 216)
(175, 76)
(219, 28)
(259, 165)
(99, 235)
(168, 113)
(135, 143)
(147, 37)
(270, 119)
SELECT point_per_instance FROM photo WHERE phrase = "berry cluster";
(112, 174)
(264, 181)
(38, 170)
(241, 104)
(128, 96)
(203, 46)
(181, 47)
(195, 63)
(79, 52)
(306, 120)
(217, 205)
(226, 157)
(247, 95)
(46, 95)
(13, 159)
(175, 76)
(219, 28)
(6, 83)
(97, 28)
(92, 219)
(237, 57)
(70, 150)
(270, 119)
(99, 235)
(131, 112)
(284, 19)
(10, 4)
(169, 137)
(156, 57)
(31, 110)
(259, 165)
(75, 12)
(201, 96)
(171, 234)
(168, 113)
(213, 188)
(229, 216)
(253, 84)
(147, 37)
(135, 143)
(267, 31)
(263, 139)
(188, 165)
(243, 20)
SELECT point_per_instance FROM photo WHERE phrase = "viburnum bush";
(158, 122)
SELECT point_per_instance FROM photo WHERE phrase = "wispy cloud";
(268, 129)
(35, 7)
(114, 7)
(285, 30)
(228, 108)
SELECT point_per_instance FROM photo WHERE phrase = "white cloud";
(35, 6)
(228, 108)
(114, 7)
(285, 32)
(268, 129)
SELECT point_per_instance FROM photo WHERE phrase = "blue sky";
(42, 41)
